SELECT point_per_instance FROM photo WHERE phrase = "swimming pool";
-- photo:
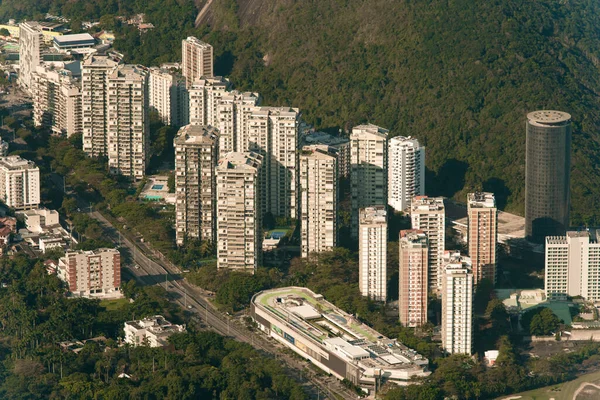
(157, 187)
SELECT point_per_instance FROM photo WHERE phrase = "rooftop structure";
(151, 331)
(76, 42)
(332, 339)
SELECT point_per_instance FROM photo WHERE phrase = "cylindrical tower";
(547, 173)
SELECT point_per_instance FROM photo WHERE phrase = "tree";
(544, 323)
(4, 32)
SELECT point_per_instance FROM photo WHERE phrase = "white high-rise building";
(319, 195)
(482, 235)
(91, 272)
(457, 304)
(239, 220)
(19, 183)
(429, 215)
(413, 288)
(94, 103)
(204, 97)
(233, 111)
(196, 149)
(369, 166)
(573, 266)
(128, 125)
(273, 132)
(30, 51)
(372, 253)
(406, 172)
(196, 59)
(168, 96)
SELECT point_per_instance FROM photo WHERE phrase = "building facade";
(204, 97)
(196, 60)
(233, 111)
(572, 265)
(128, 124)
(91, 272)
(319, 196)
(372, 253)
(196, 149)
(406, 172)
(413, 286)
(457, 305)
(482, 235)
(19, 183)
(369, 169)
(239, 219)
(547, 174)
(30, 51)
(151, 331)
(168, 96)
(429, 215)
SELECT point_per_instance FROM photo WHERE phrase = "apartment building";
(196, 149)
(239, 219)
(128, 125)
(19, 183)
(413, 287)
(94, 103)
(372, 253)
(168, 96)
(340, 144)
(572, 264)
(273, 133)
(369, 165)
(428, 215)
(406, 172)
(30, 52)
(232, 113)
(482, 235)
(91, 272)
(196, 60)
(204, 97)
(319, 195)
(457, 304)
(151, 331)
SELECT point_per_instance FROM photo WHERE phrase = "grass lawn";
(563, 391)
(112, 305)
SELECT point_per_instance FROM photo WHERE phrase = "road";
(202, 13)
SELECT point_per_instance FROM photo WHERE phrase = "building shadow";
(449, 180)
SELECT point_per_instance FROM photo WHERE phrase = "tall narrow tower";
(482, 235)
(372, 253)
(413, 288)
(547, 174)
(406, 172)
(196, 59)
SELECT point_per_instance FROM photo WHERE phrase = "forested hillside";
(459, 75)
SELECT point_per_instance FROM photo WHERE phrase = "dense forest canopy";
(459, 75)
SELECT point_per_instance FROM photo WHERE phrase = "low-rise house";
(151, 331)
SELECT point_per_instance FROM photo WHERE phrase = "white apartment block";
(429, 215)
(196, 149)
(204, 97)
(372, 253)
(94, 103)
(56, 100)
(406, 172)
(30, 51)
(91, 272)
(151, 331)
(369, 165)
(413, 287)
(168, 96)
(573, 266)
(340, 144)
(128, 125)
(19, 183)
(457, 305)
(239, 230)
(482, 235)
(232, 113)
(319, 195)
(273, 132)
(196, 59)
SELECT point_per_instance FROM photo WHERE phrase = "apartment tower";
(196, 149)
(369, 169)
(30, 51)
(233, 111)
(19, 183)
(94, 103)
(196, 59)
(482, 235)
(319, 195)
(372, 253)
(413, 288)
(91, 272)
(428, 215)
(406, 172)
(239, 226)
(547, 174)
(457, 305)
(128, 125)
(168, 96)
(204, 97)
